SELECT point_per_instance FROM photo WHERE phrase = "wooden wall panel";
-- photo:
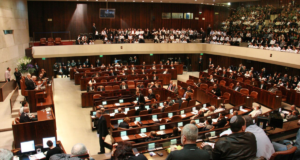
(77, 17)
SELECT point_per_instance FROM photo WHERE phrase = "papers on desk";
(125, 138)
(117, 104)
(183, 115)
(159, 148)
(215, 120)
(211, 144)
(93, 116)
(199, 140)
(112, 114)
(37, 156)
(205, 108)
(285, 120)
(183, 98)
(195, 112)
(243, 110)
(160, 132)
(201, 124)
(143, 135)
(213, 137)
(155, 120)
(134, 101)
(285, 112)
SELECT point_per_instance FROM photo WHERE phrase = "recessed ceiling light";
(160, 1)
(133, 0)
(142, 1)
(151, 1)
(201, 3)
(96, 0)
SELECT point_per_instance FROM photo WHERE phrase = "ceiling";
(207, 2)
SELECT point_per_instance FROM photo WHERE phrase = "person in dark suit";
(94, 31)
(98, 63)
(102, 131)
(140, 85)
(237, 87)
(132, 72)
(224, 74)
(151, 95)
(166, 71)
(30, 85)
(221, 121)
(188, 64)
(136, 61)
(123, 85)
(125, 123)
(152, 137)
(231, 76)
(87, 63)
(18, 76)
(253, 82)
(141, 98)
(90, 88)
(141, 108)
(200, 63)
(203, 35)
(143, 71)
(199, 83)
(216, 90)
(101, 88)
(153, 106)
(26, 116)
(36, 67)
(44, 73)
(112, 73)
(155, 77)
(189, 135)
(179, 101)
(40, 77)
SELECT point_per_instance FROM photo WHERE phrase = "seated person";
(207, 125)
(140, 85)
(151, 85)
(198, 115)
(221, 122)
(220, 109)
(210, 111)
(292, 116)
(123, 150)
(238, 145)
(90, 88)
(52, 150)
(216, 90)
(174, 88)
(199, 83)
(24, 104)
(256, 111)
(152, 137)
(125, 123)
(78, 150)
(237, 87)
(157, 85)
(287, 144)
(166, 71)
(40, 78)
(120, 110)
(166, 105)
(92, 81)
(273, 89)
(175, 132)
(153, 106)
(123, 85)
(100, 88)
(150, 95)
(231, 76)
(26, 116)
(297, 89)
(169, 99)
(141, 108)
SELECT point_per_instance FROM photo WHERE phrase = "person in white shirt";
(260, 46)
(184, 41)
(256, 111)
(297, 89)
(272, 42)
(250, 45)
(220, 109)
(92, 81)
(7, 74)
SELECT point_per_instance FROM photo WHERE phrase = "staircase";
(17, 106)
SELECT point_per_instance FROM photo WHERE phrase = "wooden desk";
(58, 144)
(45, 98)
(6, 88)
(45, 126)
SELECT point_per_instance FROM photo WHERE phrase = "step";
(14, 114)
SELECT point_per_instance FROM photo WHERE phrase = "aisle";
(73, 122)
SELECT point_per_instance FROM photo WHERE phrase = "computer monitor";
(194, 108)
(231, 111)
(162, 127)
(182, 112)
(138, 119)
(126, 109)
(143, 130)
(27, 146)
(275, 119)
(173, 141)
(154, 116)
(241, 107)
(104, 103)
(116, 111)
(136, 108)
(151, 146)
(94, 113)
(45, 140)
(147, 107)
(197, 121)
(204, 105)
(121, 101)
(137, 98)
(170, 115)
(120, 121)
(213, 133)
(161, 104)
(123, 133)
(180, 124)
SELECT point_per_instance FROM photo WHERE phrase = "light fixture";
(229, 3)
(133, 0)
(151, 1)
(142, 1)
(196, 0)
(160, 1)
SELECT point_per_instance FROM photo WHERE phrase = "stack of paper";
(117, 104)
(143, 135)
(215, 120)
(243, 110)
(125, 137)
(183, 115)
(160, 132)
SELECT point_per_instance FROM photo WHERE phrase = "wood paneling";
(77, 17)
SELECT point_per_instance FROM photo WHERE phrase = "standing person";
(36, 67)
(18, 76)
(7, 75)
(189, 135)
(200, 62)
(188, 64)
(203, 35)
(55, 69)
(102, 132)
(208, 30)
(94, 30)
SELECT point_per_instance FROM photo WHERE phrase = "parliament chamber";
(95, 79)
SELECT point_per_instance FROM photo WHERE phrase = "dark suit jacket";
(124, 125)
(218, 92)
(112, 74)
(231, 77)
(140, 86)
(88, 89)
(221, 123)
(18, 75)
(150, 96)
(102, 127)
(141, 99)
(253, 83)
(189, 151)
(87, 63)
(156, 78)
(237, 88)
(103, 89)
(263, 87)
(24, 118)
(30, 85)
(126, 86)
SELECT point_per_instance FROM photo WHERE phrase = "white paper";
(160, 132)
(243, 110)
(214, 120)
(155, 119)
(194, 112)
(143, 135)
(183, 115)
(117, 104)
(285, 112)
(125, 138)
(134, 101)
(39, 156)
(199, 140)
(112, 114)
(93, 116)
